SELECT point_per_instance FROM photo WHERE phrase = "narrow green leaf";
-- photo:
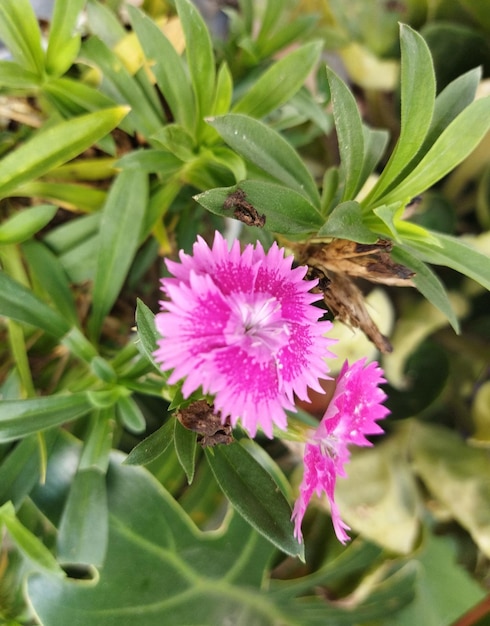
(168, 68)
(14, 76)
(452, 147)
(19, 418)
(254, 494)
(375, 142)
(345, 222)
(152, 447)
(84, 527)
(177, 141)
(55, 145)
(270, 18)
(20, 33)
(25, 223)
(286, 211)
(185, 442)
(151, 161)
(264, 147)
(20, 303)
(200, 56)
(224, 91)
(418, 89)
(123, 87)
(98, 442)
(427, 283)
(350, 134)
(147, 332)
(29, 544)
(280, 82)
(105, 23)
(130, 414)
(454, 253)
(50, 277)
(63, 44)
(120, 227)
(70, 196)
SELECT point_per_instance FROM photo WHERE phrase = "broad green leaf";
(49, 276)
(145, 118)
(20, 303)
(254, 494)
(63, 44)
(200, 56)
(452, 147)
(168, 68)
(264, 147)
(130, 414)
(20, 33)
(286, 211)
(83, 531)
(418, 91)
(152, 447)
(120, 227)
(49, 148)
(457, 475)
(151, 161)
(280, 82)
(185, 442)
(177, 141)
(228, 159)
(345, 222)
(29, 544)
(350, 134)
(444, 588)
(26, 223)
(427, 282)
(147, 332)
(74, 232)
(190, 577)
(19, 418)
(455, 253)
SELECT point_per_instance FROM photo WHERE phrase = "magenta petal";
(350, 416)
(241, 326)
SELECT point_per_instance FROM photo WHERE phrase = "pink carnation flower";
(241, 326)
(351, 414)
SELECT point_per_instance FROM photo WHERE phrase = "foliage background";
(102, 157)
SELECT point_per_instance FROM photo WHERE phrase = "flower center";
(257, 325)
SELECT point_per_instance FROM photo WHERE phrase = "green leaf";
(19, 31)
(50, 277)
(83, 531)
(19, 303)
(350, 134)
(286, 211)
(14, 76)
(177, 141)
(63, 44)
(55, 145)
(455, 253)
(28, 543)
(185, 442)
(120, 227)
(264, 147)
(224, 91)
(255, 495)
(452, 147)
(345, 222)
(144, 117)
(130, 414)
(280, 82)
(168, 68)
(427, 283)
(151, 161)
(152, 447)
(159, 569)
(26, 223)
(418, 91)
(19, 418)
(200, 56)
(147, 332)
(74, 197)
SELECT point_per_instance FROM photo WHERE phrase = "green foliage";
(128, 146)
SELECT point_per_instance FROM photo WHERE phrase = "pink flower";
(241, 326)
(351, 414)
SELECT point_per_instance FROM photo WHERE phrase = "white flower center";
(257, 325)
